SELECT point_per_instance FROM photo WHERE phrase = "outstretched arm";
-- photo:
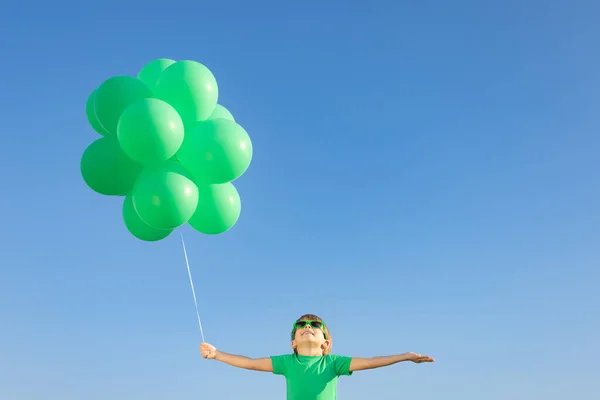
(358, 363)
(256, 364)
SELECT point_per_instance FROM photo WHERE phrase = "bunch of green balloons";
(168, 148)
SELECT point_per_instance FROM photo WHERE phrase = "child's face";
(307, 336)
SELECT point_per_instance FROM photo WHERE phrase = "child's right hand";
(208, 351)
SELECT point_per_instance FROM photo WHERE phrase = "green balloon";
(106, 169)
(165, 197)
(149, 74)
(216, 151)
(139, 228)
(221, 112)
(91, 115)
(219, 208)
(191, 88)
(150, 131)
(114, 96)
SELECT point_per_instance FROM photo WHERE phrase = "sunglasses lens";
(316, 324)
(300, 324)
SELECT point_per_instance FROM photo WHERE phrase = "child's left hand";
(418, 358)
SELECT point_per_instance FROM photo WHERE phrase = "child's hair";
(326, 332)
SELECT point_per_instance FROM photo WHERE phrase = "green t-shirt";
(311, 377)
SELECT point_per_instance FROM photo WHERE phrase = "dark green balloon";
(150, 131)
(114, 96)
(139, 228)
(216, 151)
(106, 169)
(151, 71)
(190, 88)
(165, 197)
(219, 208)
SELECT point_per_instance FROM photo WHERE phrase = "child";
(311, 372)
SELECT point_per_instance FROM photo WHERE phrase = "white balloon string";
(192, 284)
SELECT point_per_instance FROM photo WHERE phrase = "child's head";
(310, 336)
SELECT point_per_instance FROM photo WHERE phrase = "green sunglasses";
(315, 324)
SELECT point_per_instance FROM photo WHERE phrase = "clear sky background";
(425, 178)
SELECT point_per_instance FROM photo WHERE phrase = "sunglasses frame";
(323, 327)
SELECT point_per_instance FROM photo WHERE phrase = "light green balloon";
(106, 169)
(139, 228)
(114, 96)
(150, 131)
(219, 208)
(191, 88)
(91, 115)
(149, 74)
(221, 112)
(165, 197)
(216, 151)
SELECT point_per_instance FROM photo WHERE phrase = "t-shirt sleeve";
(342, 365)
(280, 364)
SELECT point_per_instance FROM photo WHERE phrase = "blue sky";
(425, 178)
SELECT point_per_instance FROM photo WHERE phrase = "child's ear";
(325, 344)
(293, 345)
